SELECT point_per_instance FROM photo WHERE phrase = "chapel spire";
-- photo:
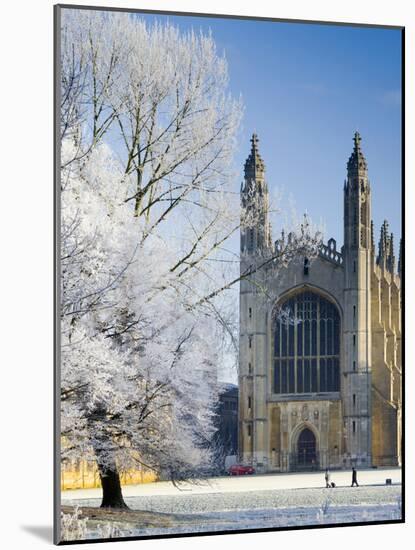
(383, 243)
(357, 162)
(357, 262)
(357, 208)
(254, 165)
(386, 257)
(256, 234)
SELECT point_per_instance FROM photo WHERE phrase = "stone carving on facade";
(284, 422)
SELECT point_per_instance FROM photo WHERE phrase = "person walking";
(354, 477)
(327, 478)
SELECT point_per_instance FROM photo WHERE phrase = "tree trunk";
(111, 489)
(107, 467)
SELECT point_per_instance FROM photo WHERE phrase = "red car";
(240, 470)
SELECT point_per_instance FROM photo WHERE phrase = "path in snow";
(246, 483)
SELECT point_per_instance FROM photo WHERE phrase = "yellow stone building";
(84, 475)
(320, 361)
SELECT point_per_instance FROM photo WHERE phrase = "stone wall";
(386, 368)
(84, 475)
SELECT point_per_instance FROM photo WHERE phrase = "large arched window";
(306, 345)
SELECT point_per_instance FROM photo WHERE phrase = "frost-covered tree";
(138, 375)
(148, 205)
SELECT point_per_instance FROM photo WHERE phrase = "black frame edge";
(56, 264)
(227, 16)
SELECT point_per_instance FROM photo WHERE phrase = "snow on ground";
(260, 509)
(255, 502)
(375, 476)
(325, 513)
(274, 519)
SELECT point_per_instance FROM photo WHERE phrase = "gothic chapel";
(325, 390)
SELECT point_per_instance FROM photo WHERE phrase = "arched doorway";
(306, 450)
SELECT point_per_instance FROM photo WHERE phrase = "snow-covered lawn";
(206, 512)
(251, 500)
(271, 518)
(375, 476)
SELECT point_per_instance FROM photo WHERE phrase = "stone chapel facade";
(320, 386)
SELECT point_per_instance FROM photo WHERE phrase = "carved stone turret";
(255, 225)
(357, 163)
(386, 256)
(357, 217)
(255, 242)
(254, 165)
(358, 264)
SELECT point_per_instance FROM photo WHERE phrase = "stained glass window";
(307, 345)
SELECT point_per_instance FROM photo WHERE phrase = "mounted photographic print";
(229, 274)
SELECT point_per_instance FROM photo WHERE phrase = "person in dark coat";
(354, 478)
(327, 478)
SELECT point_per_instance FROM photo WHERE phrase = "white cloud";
(391, 97)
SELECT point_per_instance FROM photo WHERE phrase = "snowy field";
(376, 476)
(256, 502)
(262, 519)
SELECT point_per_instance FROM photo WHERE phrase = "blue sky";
(307, 88)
